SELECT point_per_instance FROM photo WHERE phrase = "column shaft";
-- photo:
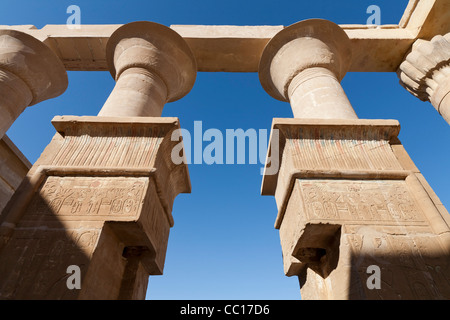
(444, 107)
(15, 96)
(349, 199)
(441, 97)
(152, 65)
(103, 184)
(138, 93)
(317, 93)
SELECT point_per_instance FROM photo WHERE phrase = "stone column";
(29, 73)
(152, 65)
(304, 64)
(425, 72)
(100, 196)
(357, 220)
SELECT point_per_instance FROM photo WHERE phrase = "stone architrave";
(425, 72)
(29, 73)
(100, 198)
(350, 200)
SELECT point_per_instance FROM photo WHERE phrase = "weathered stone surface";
(238, 48)
(29, 73)
(304, 64)
(344, 148)
(102, 188)
(349, 198)
(13, 168)
(100, 197)
(343, 178)
(425, 72)
(152, 65)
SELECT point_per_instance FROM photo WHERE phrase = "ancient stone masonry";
(29, 73)
(348, 195)
(426, 72)
(103, 198)
(153, 65)
(100, 196)
(13, 168)
(296, 66)
(349, 198)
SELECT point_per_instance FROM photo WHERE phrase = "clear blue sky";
(223, 244)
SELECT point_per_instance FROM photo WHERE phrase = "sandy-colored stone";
(29, 73)
(348, 198)
(304, 64)
(91, 200)
(13, 168)
(101, 194)
(152, 65)
(425, 72)
(427, 18)
(238, 48)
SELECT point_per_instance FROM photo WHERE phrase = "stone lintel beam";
(238, 48)
(29, 73)
(304, 64)
(425, 72)
(152, 65)
(13, 168)
(221, 48)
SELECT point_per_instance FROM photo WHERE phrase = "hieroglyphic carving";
(380, 201)
(419, 264)
(42, 259)
(116, 148)
(155, 223)
(89, 196)
(341, 148)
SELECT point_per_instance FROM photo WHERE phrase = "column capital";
(29, 73)
(305, 44)
(33, 62)
(425, 72)
(156, 48)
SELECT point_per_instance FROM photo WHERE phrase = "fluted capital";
(34, 63)
(156, 48)
(425, 72)
(305, 44)
(425, 68)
